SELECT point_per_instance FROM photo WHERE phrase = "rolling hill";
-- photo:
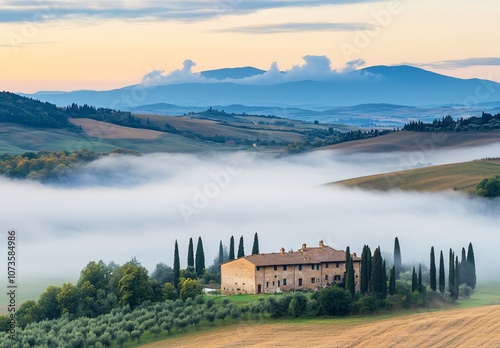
(462, 177)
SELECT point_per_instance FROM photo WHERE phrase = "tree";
(221, 255)
(463, 268)
(333, 301)
(134, 287)
(200, 258)
(177, 266)
(255, 247)
(241, 249)
(471, 267)
(49, 306)
(457, 279)
(349, 273)
(419, 280)
(397, 257)
(432, 270)
(68, 298)
(169, 292)
(377, 278)
(366, 261)
(28, 312)
(190, 253)
(392, 281)
(97, 273)
(414, 280)
(190, 288)
(451, 274)
(163, 274)
(231, 248)
(441, 274)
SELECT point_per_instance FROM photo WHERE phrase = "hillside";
(475, 327)
(411, 141)
(458, 176)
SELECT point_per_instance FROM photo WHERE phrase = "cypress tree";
(200, 258)
(432, 270)
(255, 247)
(384, 280)
(241, 249)
(231, 248)
(376, 273)
(366, 257)
(221, 254)
(177, 267)
(414, 280)
(419, 281)
(392, 281)
(463, 268)
(349, 272)
(451, 274)
(190, 253)
(442, 286)
(457, 279)
(397, 257)
(471, 267)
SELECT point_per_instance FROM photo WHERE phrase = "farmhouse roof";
(306, 255)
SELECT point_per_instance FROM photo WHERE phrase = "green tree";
(200, 258)
(456, 282)
(384, 280)
(49, 306)
(255, 247)
(134, 286)
(221, 255)
(489, 187)
(451, 274)
(442, 285)
(333, 301)
(298, 305)
(376, 277)
(190, 261)
(463, 268)
(432, 271)
(190, 288)
(471, 268)
(414, 280)
(28, 312)
(392, 281)
(349, 273)
(163, 274)
(68, 298)
(397, 257)
(177, 267)
(366, 261)
(169, 292)
(97, 274)
(231, 248)
(419, 280)
(241, 249)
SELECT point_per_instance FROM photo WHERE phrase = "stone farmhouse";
(309, 268)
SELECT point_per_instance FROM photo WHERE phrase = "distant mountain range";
(377, 86)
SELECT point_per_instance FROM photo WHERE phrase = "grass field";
(471, 323)
(458, 177)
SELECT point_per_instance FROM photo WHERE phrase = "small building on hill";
(309, 268)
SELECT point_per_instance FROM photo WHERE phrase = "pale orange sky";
(109, 46)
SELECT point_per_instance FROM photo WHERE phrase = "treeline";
(45, 165)
(31, 112)
(489, 187)
(486, 122)
(319, 137)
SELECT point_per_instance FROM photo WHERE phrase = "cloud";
(315, 68)
(298, 27)
(463, 63)
(188, 10)
(121, 207)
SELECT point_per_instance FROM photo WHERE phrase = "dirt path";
(475, 327)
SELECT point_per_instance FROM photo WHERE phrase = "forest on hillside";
(486, 122)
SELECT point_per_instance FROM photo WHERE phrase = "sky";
(122, 207)
(100, 45)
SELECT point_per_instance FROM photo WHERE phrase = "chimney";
(321, 245)
(282, 250)
(304, 247)
(354, 254)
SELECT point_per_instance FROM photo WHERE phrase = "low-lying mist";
(120, 207)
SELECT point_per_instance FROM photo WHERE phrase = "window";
(312, 266)
(336, 278)
(275, 268)
(267, 284)
(337, 264)
(312, 280)
(259, 288)
(284, 268)
(326, 265)
(326, 276)
(317, 267)
(284, 282)
(273, 283)
(300, 281)
(279, 283)
(300, 267)
(258, 268)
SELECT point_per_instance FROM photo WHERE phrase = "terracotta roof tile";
(312, 255)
